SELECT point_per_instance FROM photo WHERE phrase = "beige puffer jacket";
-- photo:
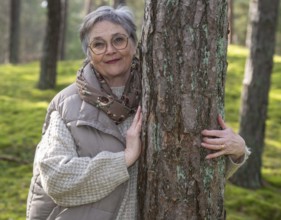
(92, 132)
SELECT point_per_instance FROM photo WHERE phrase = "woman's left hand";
(223, 142)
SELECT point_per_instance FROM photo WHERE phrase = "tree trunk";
(89, 5)
(14, 31)
(256, 89)
(230, 21)
(252, 12)
(63, 28)
(48, 71)
(119, 2)
(183, 57)
(102, 3)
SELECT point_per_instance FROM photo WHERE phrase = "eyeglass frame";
(127, 37)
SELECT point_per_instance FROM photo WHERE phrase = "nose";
(110, 49)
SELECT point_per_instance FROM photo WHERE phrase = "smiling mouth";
(112, 61)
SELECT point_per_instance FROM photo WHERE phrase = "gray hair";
(122, 16)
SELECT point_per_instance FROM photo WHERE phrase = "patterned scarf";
(117, 109)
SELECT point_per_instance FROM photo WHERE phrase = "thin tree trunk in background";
(103, 2)
(119, 2)
(230, 21)
(263, 18)
(183, 59)
(48, 71)
(89, 5)
(252, 12)
(63, 28)
(15, 9)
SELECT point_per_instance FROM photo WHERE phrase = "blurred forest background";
(23, 105)
(33, 25)
(33, 18)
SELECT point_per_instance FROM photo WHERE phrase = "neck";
(118, 80)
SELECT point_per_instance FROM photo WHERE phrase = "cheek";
(129, 54)
(96, 59)
(130, 50)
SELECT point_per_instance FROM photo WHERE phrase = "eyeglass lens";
(119, 42)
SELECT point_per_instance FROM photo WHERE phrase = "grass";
(22, 112)
(265, 203)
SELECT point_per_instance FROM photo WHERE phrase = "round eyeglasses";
(99, 46)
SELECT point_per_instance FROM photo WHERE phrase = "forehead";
(106, 29)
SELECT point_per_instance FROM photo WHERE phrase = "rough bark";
(15, 9)
(48, 66)
(256, 86)
(184, 46)
(119, 2)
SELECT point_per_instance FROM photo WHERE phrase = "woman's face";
(114, 64)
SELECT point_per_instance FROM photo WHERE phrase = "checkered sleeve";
(71, 180)
(232, 167)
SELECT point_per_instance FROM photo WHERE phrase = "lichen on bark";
(184, 66)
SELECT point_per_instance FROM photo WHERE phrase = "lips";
(112, 61)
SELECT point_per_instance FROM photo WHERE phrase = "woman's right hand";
(133, 141)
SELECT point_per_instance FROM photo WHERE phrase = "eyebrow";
(113, 35)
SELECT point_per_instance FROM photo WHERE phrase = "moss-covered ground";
(265, 203)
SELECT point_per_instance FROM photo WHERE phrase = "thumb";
(221, 122)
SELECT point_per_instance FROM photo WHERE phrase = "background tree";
(63, 28)
(230, 21)
(4, 30)
(184, 66)
(48, 71)
(15, 9)
(88, 6)
(119, 2)
(263, 18)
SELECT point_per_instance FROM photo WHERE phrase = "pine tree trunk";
(63, 28)
(15, 8)
(48, 70)
(119, 2)
(230, 21)
(184, 46)
(89, 5)
(102, 3)
(256, 89)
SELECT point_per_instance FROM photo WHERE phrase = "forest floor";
(22, 112)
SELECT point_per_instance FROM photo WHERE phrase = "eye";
(98, 45)
(119, 40)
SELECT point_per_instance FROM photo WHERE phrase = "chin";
(117, 72)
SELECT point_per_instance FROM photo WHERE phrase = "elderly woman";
(85, 164)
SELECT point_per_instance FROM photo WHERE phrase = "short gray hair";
(122, 16)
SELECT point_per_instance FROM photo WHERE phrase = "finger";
(214, 141)
(215, 155)
(139, 123)
(213, 133)
(213, 147)
(137, 115)
(221, 122)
